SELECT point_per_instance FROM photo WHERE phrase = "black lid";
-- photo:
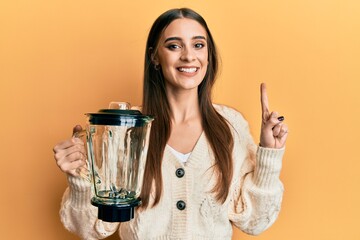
(118, 117)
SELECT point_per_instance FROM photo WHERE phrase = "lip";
(188, 67)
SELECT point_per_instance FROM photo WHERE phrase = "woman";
(225, 178)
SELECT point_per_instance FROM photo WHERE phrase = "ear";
(153, 56)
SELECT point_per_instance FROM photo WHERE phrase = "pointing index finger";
(264, 99)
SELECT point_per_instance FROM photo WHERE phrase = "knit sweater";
(252, 205)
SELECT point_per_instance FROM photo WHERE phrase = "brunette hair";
(155, 103)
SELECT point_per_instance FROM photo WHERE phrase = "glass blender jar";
(117, 143)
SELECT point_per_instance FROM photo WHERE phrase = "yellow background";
(60, 59)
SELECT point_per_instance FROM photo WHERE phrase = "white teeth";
(188, 70)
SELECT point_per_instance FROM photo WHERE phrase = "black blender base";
(116, 212)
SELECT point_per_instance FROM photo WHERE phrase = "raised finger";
(264, 100)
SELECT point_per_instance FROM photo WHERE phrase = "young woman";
(225, 178)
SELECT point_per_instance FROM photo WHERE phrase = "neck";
(184, 105)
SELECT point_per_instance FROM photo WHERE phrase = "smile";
(188, 70)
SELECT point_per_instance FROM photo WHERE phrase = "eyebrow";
(179, 39)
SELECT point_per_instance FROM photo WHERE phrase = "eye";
(199, 45)
(173, 46)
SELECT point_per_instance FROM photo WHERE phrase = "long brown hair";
(155, 103)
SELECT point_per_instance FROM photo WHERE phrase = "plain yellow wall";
(60, 59)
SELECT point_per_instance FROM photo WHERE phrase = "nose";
(187, 55)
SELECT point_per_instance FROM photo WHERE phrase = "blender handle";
(84, 172)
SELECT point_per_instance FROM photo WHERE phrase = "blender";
(116, 143)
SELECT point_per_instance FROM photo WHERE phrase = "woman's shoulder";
(229, 113)
(235, 119)
(232, 116)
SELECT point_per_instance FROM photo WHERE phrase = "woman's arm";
(79, 216)
(257, 193)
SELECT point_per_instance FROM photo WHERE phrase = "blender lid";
(119, 117)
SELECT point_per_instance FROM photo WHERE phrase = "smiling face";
(182, 53)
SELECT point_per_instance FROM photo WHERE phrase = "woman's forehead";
(184, 28)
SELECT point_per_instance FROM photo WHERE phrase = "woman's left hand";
(273, 131)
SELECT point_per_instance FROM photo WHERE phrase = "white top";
(182, 157)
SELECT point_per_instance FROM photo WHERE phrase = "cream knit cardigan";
(252, 205)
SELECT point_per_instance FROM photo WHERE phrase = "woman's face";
(183, 54)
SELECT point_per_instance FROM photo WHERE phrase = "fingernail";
(281, 118)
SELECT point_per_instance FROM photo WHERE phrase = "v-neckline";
(197, 141)
(194, 155)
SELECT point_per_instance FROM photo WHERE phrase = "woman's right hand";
(70, 154)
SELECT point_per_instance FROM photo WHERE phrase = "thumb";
(273, 120)
(76, 129)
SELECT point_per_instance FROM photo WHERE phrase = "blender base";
(116, 212)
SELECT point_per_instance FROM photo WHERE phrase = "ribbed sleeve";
(268, 166)
(79, 216)
(79, 192)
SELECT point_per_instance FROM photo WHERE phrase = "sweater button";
(181, 205)
(180, 172)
